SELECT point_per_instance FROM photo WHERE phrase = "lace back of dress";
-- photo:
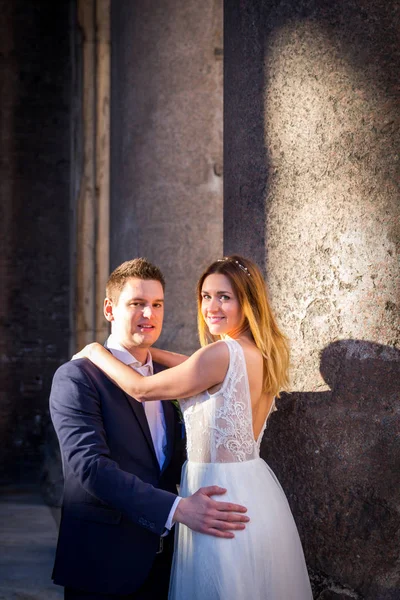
(232, 437)
(219, 426)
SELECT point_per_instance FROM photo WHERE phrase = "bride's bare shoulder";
(218, 351)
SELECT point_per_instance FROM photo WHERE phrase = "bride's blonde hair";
(250, 289)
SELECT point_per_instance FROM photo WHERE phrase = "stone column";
(91, 171)
(312, 140)
(34, 223)
(166, 146)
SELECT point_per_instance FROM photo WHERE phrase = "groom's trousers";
(154, 588)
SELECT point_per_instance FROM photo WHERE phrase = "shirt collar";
(125, 356)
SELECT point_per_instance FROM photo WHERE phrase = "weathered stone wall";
(166, 146)
(311, 147)
(34, 223)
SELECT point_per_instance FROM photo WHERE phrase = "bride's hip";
(231, 475)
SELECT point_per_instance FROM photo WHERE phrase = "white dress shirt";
(153, 410)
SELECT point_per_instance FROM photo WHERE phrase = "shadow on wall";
(344, 493)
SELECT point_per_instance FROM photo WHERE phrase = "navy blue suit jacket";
(116, 499)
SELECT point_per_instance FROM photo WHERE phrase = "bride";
(226, 391)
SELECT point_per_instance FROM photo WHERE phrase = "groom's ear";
(108, 309)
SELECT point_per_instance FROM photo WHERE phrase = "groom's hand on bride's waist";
(201, 513)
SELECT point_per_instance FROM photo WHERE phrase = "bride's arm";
(166, 358)
(205, 368)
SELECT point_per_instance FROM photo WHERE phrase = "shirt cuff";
(169, 524)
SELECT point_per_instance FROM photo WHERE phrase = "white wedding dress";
(265, 561)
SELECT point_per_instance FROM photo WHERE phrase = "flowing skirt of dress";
(265, 561)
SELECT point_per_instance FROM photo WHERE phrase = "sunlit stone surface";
(312, 168)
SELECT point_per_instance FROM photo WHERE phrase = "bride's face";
(220, 307)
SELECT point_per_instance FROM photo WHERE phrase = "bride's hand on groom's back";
(86, 352)
(202, 513)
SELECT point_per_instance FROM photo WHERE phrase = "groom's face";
(137, 316)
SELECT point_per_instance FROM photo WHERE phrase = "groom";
(121, 461)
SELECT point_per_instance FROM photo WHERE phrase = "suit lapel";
(169, 417)
(138, 411)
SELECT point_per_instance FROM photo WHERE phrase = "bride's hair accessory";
(244, 269)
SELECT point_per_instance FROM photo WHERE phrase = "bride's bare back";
(261, 402)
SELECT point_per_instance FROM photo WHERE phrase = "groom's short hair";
(140, 268)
